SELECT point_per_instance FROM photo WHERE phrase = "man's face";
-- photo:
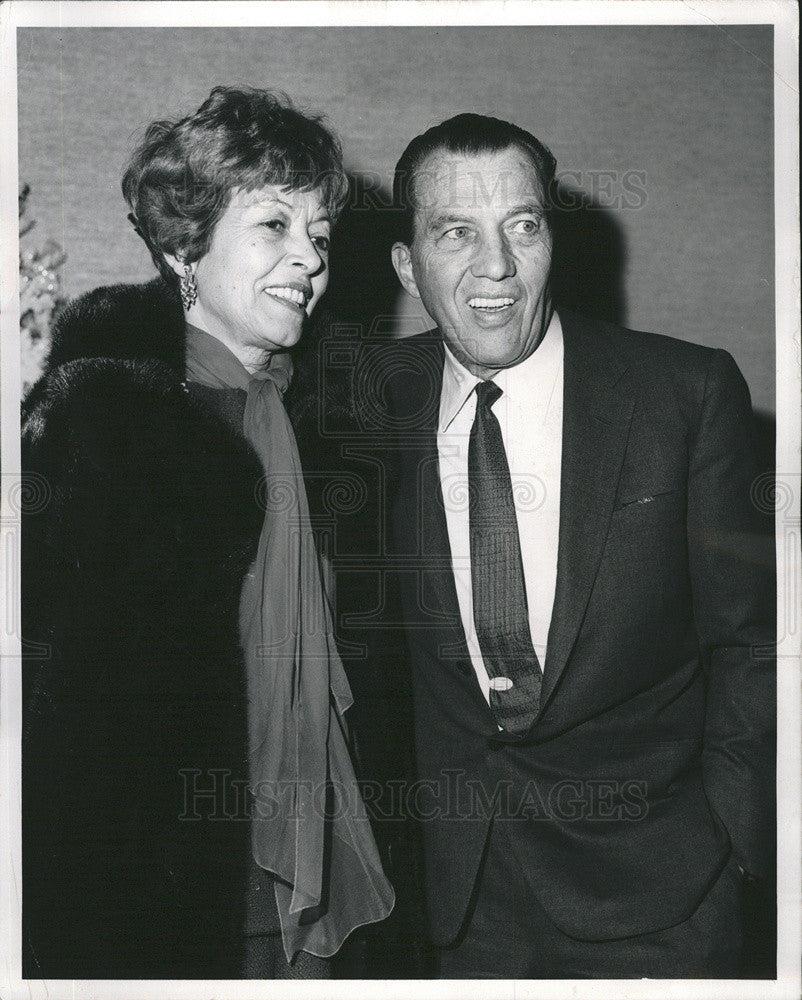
(481, 255)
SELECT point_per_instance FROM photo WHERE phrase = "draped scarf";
(309, 825)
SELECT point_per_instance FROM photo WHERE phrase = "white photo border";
(783, 16)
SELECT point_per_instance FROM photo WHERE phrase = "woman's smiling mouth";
(291, 295)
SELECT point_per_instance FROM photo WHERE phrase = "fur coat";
(135, 833)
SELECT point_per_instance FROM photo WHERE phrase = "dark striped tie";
(499, 591)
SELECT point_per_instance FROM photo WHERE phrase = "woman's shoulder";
(111, 399)
(132, 464)
(130, 419)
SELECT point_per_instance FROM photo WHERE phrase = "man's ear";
(402, 262)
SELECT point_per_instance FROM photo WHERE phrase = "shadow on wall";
(364, 289)
(589, 257)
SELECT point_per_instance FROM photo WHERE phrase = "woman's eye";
(322, 243)
(277, 225)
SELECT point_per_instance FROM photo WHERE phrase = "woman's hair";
(181, 176)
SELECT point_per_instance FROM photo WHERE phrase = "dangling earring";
(189, 287)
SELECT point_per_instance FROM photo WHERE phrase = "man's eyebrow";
(533, 207)
(446, 220)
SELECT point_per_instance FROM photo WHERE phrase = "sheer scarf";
(309, 825)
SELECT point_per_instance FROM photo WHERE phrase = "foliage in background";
(40, 295)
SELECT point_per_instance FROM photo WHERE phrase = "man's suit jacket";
(653, 751)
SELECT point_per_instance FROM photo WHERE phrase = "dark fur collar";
(121, 321)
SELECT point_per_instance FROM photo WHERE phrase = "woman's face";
(266, 268)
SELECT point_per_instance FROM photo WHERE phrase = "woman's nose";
(303, 253)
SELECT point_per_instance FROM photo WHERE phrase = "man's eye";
(322, 243)
(457, 233)
(526, 227)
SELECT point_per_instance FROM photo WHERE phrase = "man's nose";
(494, 260)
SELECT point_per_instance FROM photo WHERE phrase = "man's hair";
(181, 176)
(466, 135)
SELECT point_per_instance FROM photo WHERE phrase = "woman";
(189, 806)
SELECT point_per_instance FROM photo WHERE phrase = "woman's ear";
(402, 262)
(176, 263)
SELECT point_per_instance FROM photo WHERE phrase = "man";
(594, 704)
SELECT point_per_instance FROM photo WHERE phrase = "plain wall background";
(687, 110)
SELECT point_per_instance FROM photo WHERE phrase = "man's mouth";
(497, 304)
(291, 294)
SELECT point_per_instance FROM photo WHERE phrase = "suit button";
(500, 684)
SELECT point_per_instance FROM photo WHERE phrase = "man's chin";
(486, 365)
(496, 348)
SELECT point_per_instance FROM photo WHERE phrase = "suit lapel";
(417, 403)
(597, 411)
(439, 593)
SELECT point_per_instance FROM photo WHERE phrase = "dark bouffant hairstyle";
(182, 174)
(466, 135)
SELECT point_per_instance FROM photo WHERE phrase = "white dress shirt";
(530, 414)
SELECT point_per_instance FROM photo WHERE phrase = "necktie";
(499, 591)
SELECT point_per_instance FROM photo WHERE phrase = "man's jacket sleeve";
(733, 579)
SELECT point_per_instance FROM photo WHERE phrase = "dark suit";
(653, 751)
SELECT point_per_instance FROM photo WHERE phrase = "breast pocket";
(640, 499)
(660, 512)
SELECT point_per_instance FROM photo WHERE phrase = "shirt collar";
(534, 375)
